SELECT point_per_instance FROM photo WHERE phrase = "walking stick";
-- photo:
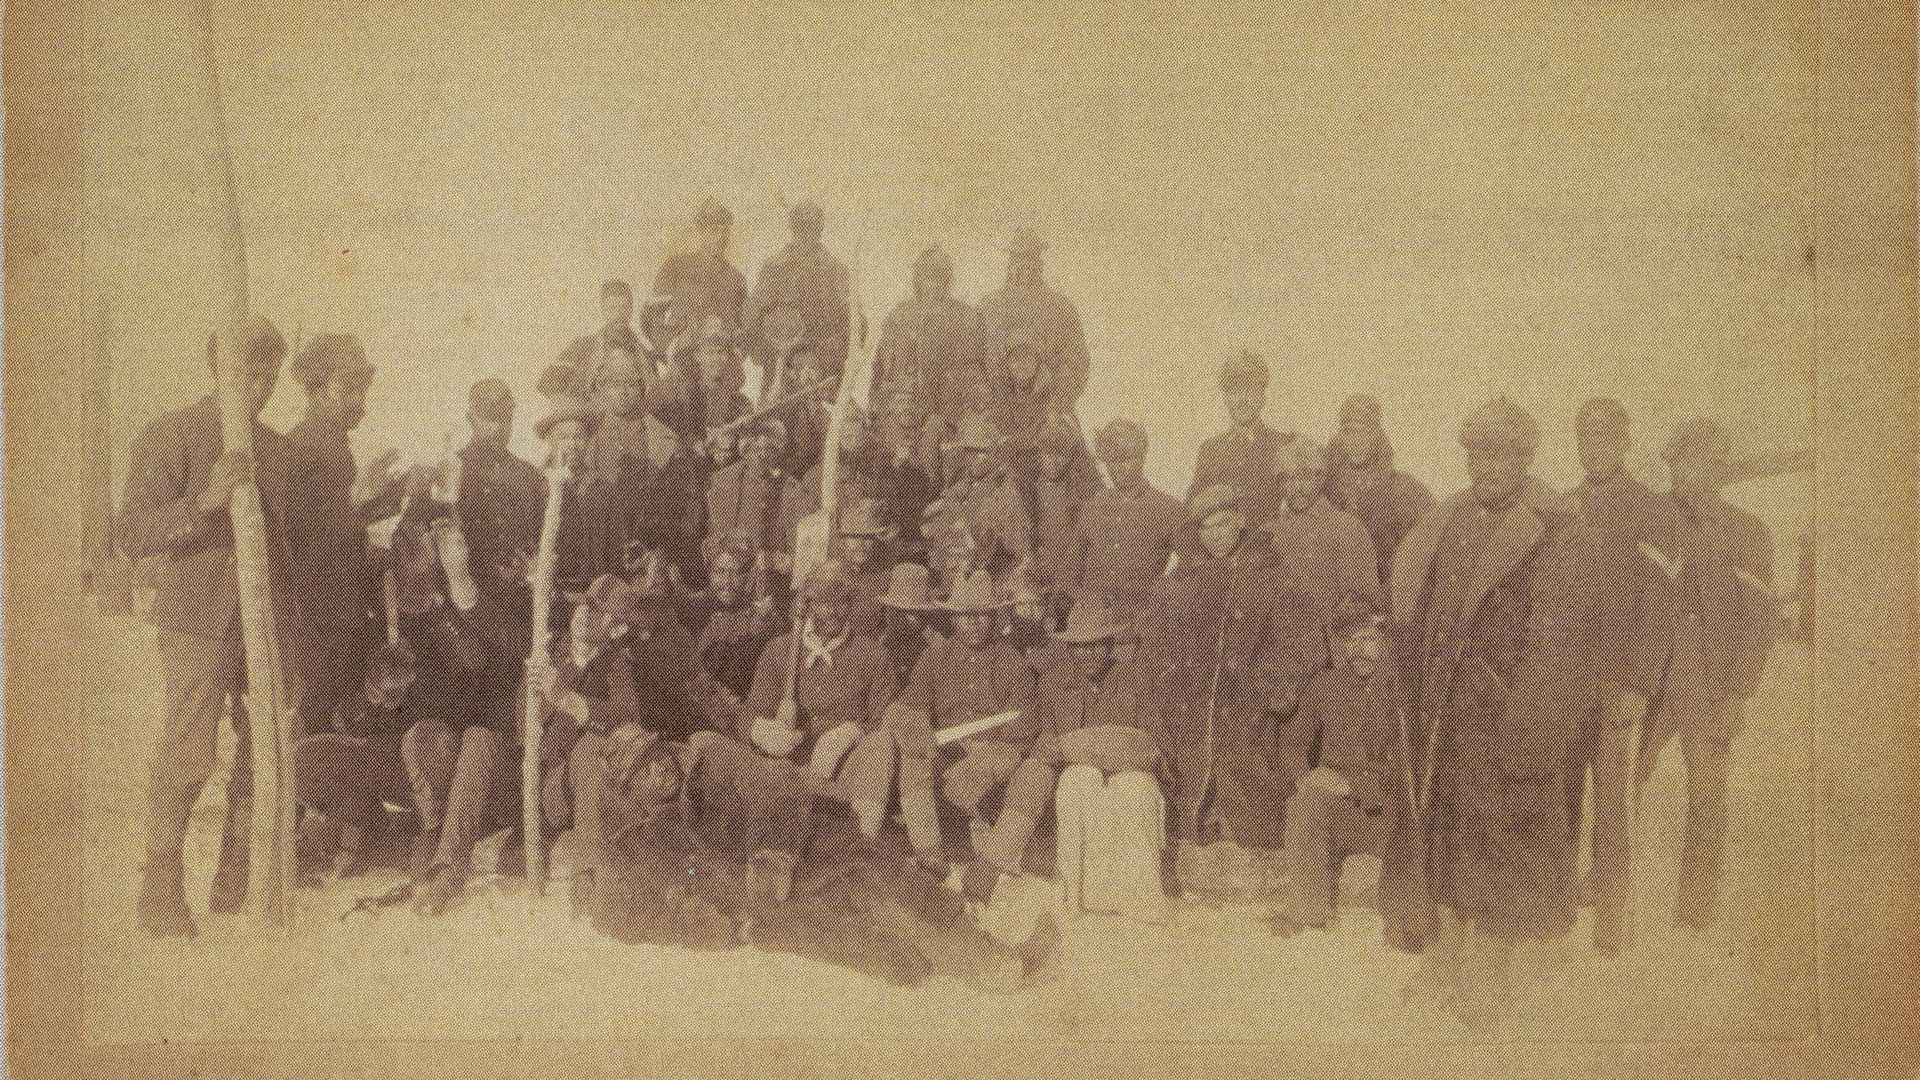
(543, 570)
(268, 892)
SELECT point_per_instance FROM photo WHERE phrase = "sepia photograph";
(930, 538)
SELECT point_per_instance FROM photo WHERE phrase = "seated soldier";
(1111, 814)
(1340, 806)
(844, 680)
(970, 676)
(908, 605)
(733, 615)
(344, 776)
(710, 845)
(864, 538)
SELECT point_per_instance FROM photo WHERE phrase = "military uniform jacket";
(1634, 629)
(1386, 500)
(326, 532)
(953, 684)
(928, 345)
(1052, 322)
(1056, 517)
(1122, 541)
(1354, 721)
(1328, 552)
(763, 503)
(502, 498)
(1066, 700)
(196, 591)
(854, 688)
(1721, 571)
(1242, 457)
(807, 278)
(698, 285)
(1231, 633)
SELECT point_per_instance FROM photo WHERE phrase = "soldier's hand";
(516, 567)
(763, 607)
(378, 476)
(230, 470)
(543, 678)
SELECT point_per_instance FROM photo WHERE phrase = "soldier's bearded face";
(1603, 451)
(345, 398)
(1220, 533)
(1245, 405)
(973, 628)
(567, 441)
(1496, 473)
(829, 616)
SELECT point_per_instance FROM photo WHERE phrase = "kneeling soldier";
(1340, 806)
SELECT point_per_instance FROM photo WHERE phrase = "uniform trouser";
(1606, 745)
(1322, 829)
(205, 679)
(1110, 833)
(905, 754)
(586, 775)
(464, 781)
(1705, 741)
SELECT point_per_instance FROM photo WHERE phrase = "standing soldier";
(1326, 551)
(1721, 562)
(1126, 531)
(644, 488)
(500, 502)
(1241, 457)
(1058, 496)
(1633, 638)
(757, 498)
(805, 279)
(1026, 308)
(573, 373)
(985, 499)
(1362, 481)
(179, 485)
(930, 343)
(702, 282)
(1492, 600)
(1229, 646)
(329, 506)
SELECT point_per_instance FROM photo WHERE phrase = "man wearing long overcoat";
(1027, 309)
(1492, 599)
(930, 342)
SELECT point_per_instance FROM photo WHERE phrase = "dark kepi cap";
(616, 287)
(1025, 242)
(1091, 619)
(807, 217)
(562, 409)
(1500, 425)
(1121, 438)
(1247, 371)
(1603, 413)
(491, 399)
(713, 215)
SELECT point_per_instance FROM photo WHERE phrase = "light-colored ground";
(491, 970)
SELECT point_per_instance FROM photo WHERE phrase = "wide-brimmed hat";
(1091, 619)
(562, 409)
(974, 595)
(909, 588)
(1211, 500)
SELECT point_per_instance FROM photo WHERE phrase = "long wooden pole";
(268, 892)
(544, 566)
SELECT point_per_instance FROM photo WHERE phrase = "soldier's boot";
(1005, 843)
(229, 892)
(1436, 978)
(441, 890)
(162, 906)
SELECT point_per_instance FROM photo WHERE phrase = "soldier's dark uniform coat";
(1385, 499)
(932, 346)
(1493, 614)
(1243, 459)
(1235, 616)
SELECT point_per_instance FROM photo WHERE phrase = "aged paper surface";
(1700, 210)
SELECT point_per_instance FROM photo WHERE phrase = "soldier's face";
(1603, 450)
(860, 550)
(974, 462)
(567, 441)
(1302, 487)
(1244, 404)
(1359, 437)
(728, 577)
(1093, 657)
(260, 381)
(829, 616)
(1220, 533)
(1496, 473)
(1053, 463)
(713, 239)
(1024, 365)
(491, 431)
(932, 284)
(1126, 470)
(1024, 269)
(974, 629)
(616, 309)
(345, 397)
(658, 783)
(623, 393)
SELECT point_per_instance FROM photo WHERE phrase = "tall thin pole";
(268, 893)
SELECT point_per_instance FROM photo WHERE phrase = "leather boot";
(229, 892)
(163, 899)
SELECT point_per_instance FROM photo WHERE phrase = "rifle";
(1201, 793)
(269, 886)
(544, 566)
(780, 404)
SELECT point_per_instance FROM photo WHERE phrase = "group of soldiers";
(1011, 632)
